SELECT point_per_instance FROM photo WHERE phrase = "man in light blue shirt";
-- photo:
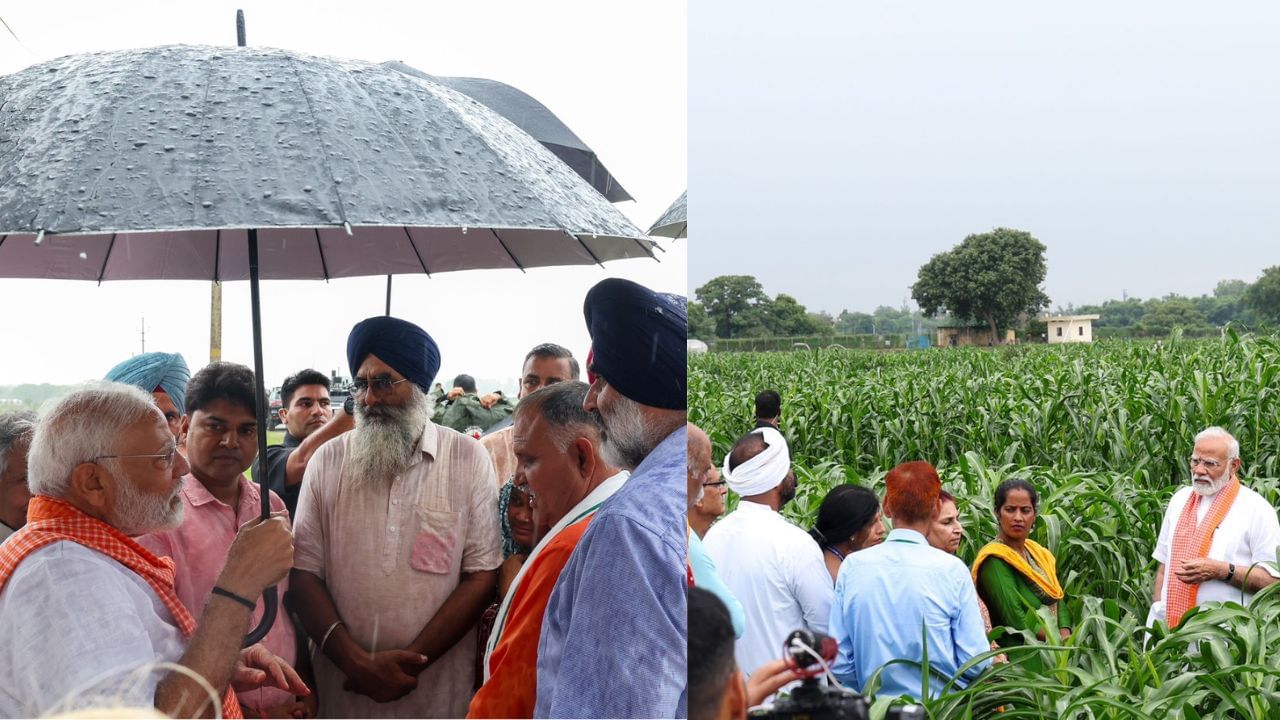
(891, 597)
(614, 637)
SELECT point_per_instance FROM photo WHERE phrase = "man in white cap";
(773, 567)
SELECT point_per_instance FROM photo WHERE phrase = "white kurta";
(79, 630)
(1249, 533)
(776, 571)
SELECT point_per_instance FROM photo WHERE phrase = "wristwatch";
(1231, 572)
(349, 407)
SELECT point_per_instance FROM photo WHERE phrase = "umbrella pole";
(269, 599)
(388, 296)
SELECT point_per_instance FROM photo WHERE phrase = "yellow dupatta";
(1047, 583)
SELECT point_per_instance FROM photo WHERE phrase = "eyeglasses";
(380, 385)
(167, 456)
(1208, 464)
(720, 483)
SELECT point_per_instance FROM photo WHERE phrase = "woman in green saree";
(1015, 575)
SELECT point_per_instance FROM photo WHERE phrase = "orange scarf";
(51, 520)
(1192, 541)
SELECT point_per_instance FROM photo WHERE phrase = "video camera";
(809, 655)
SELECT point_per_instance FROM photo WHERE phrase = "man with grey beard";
(1218, 539)
(614, 638)
(397, 541)
(86, 613)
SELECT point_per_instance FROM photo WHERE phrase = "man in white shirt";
(1213, 533)
(87, 615)
(773, 567)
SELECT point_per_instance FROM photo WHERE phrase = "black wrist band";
(349, 407)
(1231, 571)
(232, 596)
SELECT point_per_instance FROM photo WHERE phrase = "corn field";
(1103, 431)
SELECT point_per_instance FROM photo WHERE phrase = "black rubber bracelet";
(232, 596)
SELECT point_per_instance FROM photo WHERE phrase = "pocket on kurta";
(434, 545)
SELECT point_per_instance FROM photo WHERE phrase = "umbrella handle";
(270, 601)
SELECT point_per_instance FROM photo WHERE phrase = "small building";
(957, 333)
(1070, 328)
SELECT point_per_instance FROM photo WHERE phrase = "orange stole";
(513, 667)
(51, 520)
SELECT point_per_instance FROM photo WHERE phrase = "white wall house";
(1070, 328)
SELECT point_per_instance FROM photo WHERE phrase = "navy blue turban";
(638, 341)
(156, 371)
(399, 343)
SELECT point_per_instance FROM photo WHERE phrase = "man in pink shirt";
(221, 439)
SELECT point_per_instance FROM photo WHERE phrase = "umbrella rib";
(405, 228)
(200, 156)
(647, 251)
(342, 209)
(504, 247)
(324, 266)
(583, 243)
(102, 272)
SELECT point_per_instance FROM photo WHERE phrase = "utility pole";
(144, 334)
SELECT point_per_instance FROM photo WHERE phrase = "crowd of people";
(900, 606)
(539, 571)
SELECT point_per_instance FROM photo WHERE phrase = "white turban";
(763, 472)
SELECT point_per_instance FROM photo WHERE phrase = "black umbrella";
(536, 119)
(674, 223)
(219, 164)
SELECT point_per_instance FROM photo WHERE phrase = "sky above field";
(615, 73)
(836, 147)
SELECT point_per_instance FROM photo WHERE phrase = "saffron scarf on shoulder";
(1192, 540)
(51, 520)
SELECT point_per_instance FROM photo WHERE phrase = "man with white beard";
(1213, 532)
(614, 638)
(86, 613)
(397, 541)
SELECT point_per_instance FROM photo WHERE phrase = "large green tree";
(992, 277)
(736, 304)
(700, 325)
(1263, 297)
(788, 318)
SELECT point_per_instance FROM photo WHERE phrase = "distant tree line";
(736, 306)
(1252, 306)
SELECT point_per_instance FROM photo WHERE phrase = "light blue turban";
(149, 371)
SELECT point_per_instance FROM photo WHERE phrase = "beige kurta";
(502, 452)
(391, 555)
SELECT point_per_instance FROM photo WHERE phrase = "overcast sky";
(615, 73)
(835, 147)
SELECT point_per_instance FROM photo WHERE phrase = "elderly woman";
(515, 517)
(848, 520)
(1015, 575)
(945, 535)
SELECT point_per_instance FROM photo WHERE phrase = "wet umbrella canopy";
(674, 223)
(536, 119)
(210, 163)
(158, 160)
